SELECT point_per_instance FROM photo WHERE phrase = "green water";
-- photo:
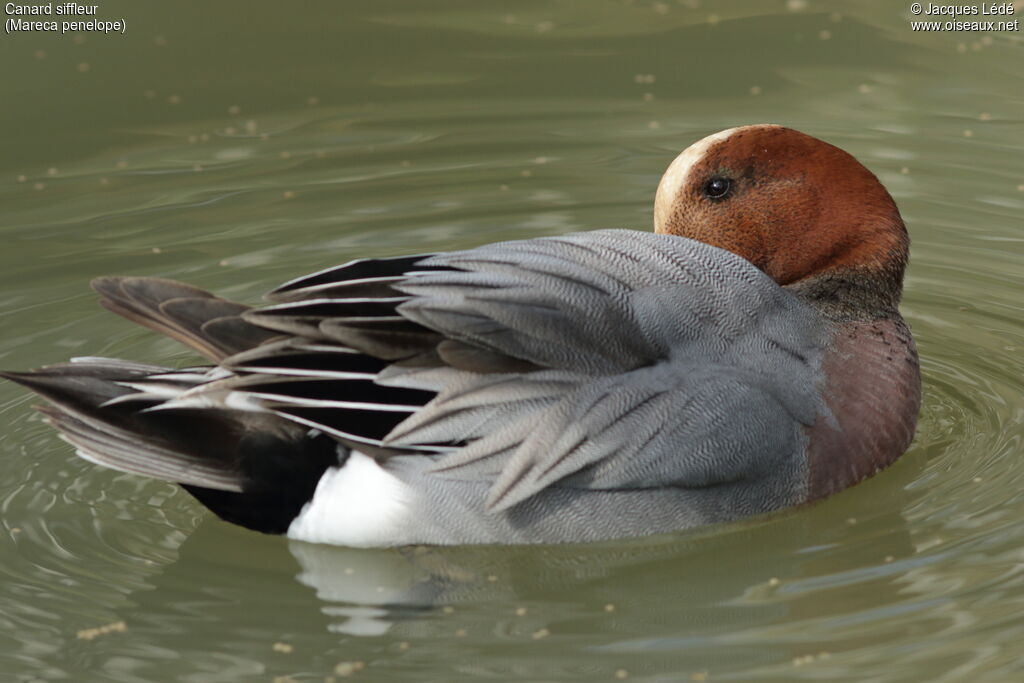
(237, 144)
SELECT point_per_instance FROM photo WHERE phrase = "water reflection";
(803, 583)
(759, 573)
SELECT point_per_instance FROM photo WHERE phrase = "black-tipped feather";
(289, 358)
(358, 274)
(389, 338)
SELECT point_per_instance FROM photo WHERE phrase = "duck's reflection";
(363, 591)
(655, 593)
(745, 597)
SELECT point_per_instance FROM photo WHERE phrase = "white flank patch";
(357, 504)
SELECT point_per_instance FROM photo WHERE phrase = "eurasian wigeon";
(747, 356)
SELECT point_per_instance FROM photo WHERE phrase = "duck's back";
(586, 393)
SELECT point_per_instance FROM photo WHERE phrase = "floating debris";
(90, 633)
(348, 668)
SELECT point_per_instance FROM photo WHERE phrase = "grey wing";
(606, 360)
(702, 428)
(667, 362)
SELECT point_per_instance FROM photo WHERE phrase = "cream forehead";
(677, 174)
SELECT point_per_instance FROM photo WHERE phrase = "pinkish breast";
(873, 389)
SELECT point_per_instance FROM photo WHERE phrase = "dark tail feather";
(252, 469)
(124, 451)
(82, 388)
(119, 436)
(206, 323)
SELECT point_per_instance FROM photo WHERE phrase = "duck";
(746, 356)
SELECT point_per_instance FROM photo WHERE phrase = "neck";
(844, 295)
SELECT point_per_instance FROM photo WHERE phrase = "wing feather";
(605, 360)
(611, 359)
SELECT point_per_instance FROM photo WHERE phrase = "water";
(240, 144)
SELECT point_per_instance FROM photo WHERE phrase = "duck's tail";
(198, 319)
(252, 468)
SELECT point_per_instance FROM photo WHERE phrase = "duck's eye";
(717, 188)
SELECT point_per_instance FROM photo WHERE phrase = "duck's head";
(800, 209)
